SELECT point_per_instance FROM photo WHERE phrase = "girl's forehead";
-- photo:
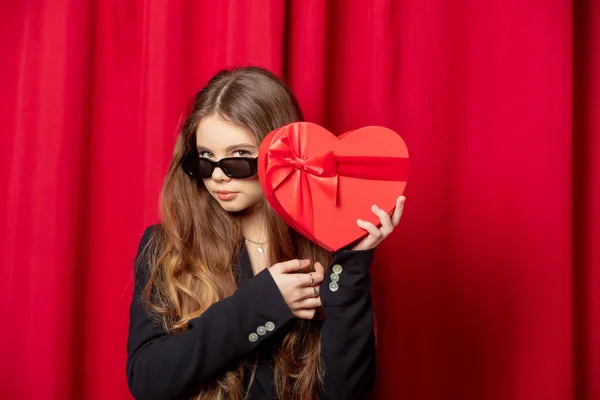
(215, 133)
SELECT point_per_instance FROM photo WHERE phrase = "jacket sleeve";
(173, 366)
(347, 336)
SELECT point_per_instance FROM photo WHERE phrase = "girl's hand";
(376, 235)
(299, 290)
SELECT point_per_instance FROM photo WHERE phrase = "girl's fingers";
(287, 267)
(317, 277)
(386, 221)
(308, 293)
(398, 211)
(320, 269)
(313, 302)
(305, 314)
(369, 227)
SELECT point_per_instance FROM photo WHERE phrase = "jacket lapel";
(264, 376)
(264, 370)
(242, 269)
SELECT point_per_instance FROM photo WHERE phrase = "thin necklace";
(259, 244)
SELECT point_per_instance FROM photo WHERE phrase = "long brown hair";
(199, 242)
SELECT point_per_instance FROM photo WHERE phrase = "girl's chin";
(235, 205)
(241, 203)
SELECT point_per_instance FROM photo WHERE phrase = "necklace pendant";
(260, 250)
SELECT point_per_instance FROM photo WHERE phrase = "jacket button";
(261, 330)
(270, 326)
(333, 286)
(253, 337)
(334, 277)
(337, 268)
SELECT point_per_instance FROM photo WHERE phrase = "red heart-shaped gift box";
(321, 184)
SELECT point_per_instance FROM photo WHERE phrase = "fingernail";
(359, 221)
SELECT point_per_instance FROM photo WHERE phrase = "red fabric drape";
(490, 287)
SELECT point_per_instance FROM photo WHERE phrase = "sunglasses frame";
(252, 162)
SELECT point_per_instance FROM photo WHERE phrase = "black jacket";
(161, 366)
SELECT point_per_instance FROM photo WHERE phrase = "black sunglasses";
(234, 167)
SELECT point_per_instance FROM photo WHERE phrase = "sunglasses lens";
(238, 168)
(190, 165)
(196, 167)
(204, 168)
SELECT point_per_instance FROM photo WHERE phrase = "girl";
(229, 302)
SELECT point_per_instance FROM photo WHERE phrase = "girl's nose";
(219, 175)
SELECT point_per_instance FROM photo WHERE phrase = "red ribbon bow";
(287, 160)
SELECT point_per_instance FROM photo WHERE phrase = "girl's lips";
(224, 195)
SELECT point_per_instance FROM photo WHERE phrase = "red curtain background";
(490, 288)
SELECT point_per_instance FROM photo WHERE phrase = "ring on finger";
(312, 280)
(315, 293)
